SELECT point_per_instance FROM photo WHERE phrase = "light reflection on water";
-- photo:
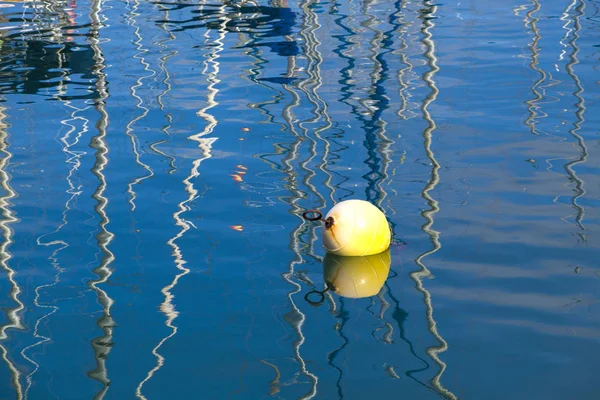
(157, 158)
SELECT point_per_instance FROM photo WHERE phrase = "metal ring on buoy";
(318, 216)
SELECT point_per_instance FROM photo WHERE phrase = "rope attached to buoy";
(317, 217)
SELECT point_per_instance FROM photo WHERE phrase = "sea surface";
(156, 158)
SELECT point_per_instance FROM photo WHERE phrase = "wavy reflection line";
(344, 51)
(404, 73)
(295, 318)
(167, 307)
(378, 127)
(167, 83)
(14, 319)
(252, 76)
(564, 17)
(429, 214)
(310, 87)
(274, 385)
(212, 77)
(53, 258)
(53, 309)
(343, 316)
(377, 142)
(345, 77)
(73, 159)
(384, 306)
(399, 315)
(254, 71)
(158, 151)
(580, 106)
(130, 17)
(163, 62)
(532, 105)
(376, 44)
(101, 345)
(211, 71)
(379, 159)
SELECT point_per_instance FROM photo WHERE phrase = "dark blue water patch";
(279, 80)
(283, 49)
(33, 67)
(259, 22)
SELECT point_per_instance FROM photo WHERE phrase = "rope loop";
(317, 215)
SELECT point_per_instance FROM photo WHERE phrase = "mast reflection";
(418, 276)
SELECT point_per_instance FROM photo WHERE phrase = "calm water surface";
(155, 159)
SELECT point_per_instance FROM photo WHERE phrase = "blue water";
(156, 157)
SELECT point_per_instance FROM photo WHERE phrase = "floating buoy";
(353, 228)
(356, 277)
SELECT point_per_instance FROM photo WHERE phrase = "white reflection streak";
(14, 320)
(139, 83)
(102, 345)
(291, 155)
(205, 144)
(387, 337)
(73, 158)
(429, 214)
(537, 89)
(167, 307)
(163, 63)
(405, 72)
(298, 322)
(564, 17)
(310, 87)
(167, 82)
(579, 114)
(212, 76)
(384, 148)
(374, 49)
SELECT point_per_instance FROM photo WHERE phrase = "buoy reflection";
(356, 277)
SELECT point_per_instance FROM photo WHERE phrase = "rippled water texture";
(156, 157)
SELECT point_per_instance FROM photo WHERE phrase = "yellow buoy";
(355, 228)
(356, 277)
